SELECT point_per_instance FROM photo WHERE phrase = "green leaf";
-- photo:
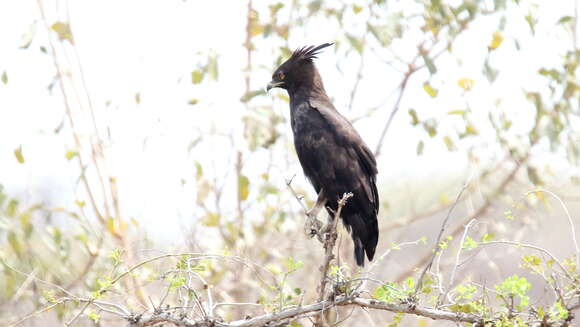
(469, 243)
(212, 66)
(199, 171)
(292, 264)
(250, 95)
(4, 78)
(486, 238)
(14, 243)
(63, 31)
(534, 176)
(243, 188)
(115, 256)
(430, 90)
(430, 64)
(275, 8)
(515, 286)
(414, 117)
(137, 98)
(176, 282)
(532, 260)
(531, 22)
(355, 43)
(28, 36)
(565, 19)
(18, 154)
(430, 127)
(559, 311)
(95, 317)
(192, 102)
(420, 148)
(12, 207)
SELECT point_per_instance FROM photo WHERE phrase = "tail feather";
(359, 253)
(364, 232)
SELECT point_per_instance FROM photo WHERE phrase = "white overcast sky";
(150, 47)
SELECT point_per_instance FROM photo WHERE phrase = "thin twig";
(534, 247)
(458, 255)
(298, 197)
(402, 88)
(570, 221)
(438, 240)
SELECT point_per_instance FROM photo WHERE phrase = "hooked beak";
(273, 84)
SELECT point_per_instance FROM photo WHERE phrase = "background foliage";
(474, 122)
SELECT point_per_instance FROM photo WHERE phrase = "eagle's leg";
(313, 225)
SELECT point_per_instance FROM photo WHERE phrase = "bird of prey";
(332, 154)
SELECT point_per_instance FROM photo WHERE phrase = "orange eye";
(281, 76)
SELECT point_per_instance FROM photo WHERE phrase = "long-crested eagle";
(333, 155)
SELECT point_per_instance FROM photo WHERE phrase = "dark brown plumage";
(334, 157)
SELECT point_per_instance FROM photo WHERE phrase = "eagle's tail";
(365, 234)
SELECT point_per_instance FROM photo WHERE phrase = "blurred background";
(133, 129)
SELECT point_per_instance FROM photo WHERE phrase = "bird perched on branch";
(333, 155)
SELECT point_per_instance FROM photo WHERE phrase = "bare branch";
(307, 310)
(329, 243)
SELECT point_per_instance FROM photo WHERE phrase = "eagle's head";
(298, 69)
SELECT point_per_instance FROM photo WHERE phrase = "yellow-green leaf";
(430, 89)
(414, 117)
(256, 29)
(456, 112)
(203, 189)
(465, 83)
(243, 188)
(18, 154)
(211, 220)
(137, 98)
(199, 171)
(449, 143)
(196, 76)
(212, 66)
(4, 78)
(192, 102)
(496, 40)
(14, 243)
(356, 43)
(70, 154)
(63, 31)
(356, 8)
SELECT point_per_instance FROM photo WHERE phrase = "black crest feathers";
(309, 52)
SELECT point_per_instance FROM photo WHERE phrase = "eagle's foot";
(327, 229)
(313, 226)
